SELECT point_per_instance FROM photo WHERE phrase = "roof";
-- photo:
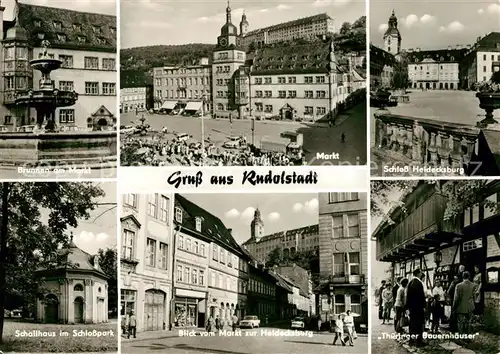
(488, 42)
(440, 55)
(311, 229)
(298, 22)
(97, 30)
(391, 31)
(281, 282)
(310, 57)
(211, 226)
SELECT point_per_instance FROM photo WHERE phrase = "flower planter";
(489, 101)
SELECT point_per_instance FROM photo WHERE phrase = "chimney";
(449, 47)
(418, 49)
(203, 61)
(230, 231)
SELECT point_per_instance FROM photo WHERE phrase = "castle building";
(392, 37)
(132, 99)
(302, 239)
(481, 60)
(86, 45)
(307, 28)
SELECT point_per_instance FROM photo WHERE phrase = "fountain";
(46, 99)
(47, 145)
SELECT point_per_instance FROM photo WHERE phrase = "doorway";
(51, 309)
(78, 309)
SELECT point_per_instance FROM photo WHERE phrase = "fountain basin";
(56, 98)
(59, 149)
(45, 65)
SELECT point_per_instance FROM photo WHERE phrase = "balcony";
(343, 279)
(426, 142)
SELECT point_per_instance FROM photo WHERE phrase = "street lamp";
(438, 257)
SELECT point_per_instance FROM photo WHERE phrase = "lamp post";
(438, 257)
(203, 99)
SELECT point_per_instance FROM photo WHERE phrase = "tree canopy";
(108, 263)
(34, 218)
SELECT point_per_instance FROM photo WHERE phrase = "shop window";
(339, 305)
(127, 301)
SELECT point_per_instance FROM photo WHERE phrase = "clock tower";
(392, 37)
(228, 57)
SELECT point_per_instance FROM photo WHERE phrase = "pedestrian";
(234, 321)
(463, 303)
(319, 324)
(342, 137)
(349, 324)
(387, 303)
(400, 305)
(435, 311)
(339, 330)
(378, 294)
(124, 324)
(217, 323)
(477, 291)
(132, 324)
(415, 302)
(438, 310)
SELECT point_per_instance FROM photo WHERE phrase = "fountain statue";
(47, 98)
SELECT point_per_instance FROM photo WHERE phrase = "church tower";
(243, 25)
(228, 57)
(257, 226)
(392, 37)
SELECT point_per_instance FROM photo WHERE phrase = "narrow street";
(381, 344)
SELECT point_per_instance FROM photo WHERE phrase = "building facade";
(482, 60)
(302, 278)
(262, 291)
(307, 28)
(180, 88)
(86, 45)
(434, 75)
(421, 237)
(303, 239)
(132, 99)
(343, 252)
(146, 259)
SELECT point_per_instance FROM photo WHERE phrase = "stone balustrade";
(426, 142)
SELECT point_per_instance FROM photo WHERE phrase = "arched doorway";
(102, 122)
(78, 309)
(51, 309)
(154, 310)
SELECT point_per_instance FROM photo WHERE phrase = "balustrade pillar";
(444, 150)
(432, 148)
(470, 149)
(416, 154)
(409, 142)
(456, 152)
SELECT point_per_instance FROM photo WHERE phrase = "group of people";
(158, 152)
(420, 308)
(347, 321)
(216, 324)
(129, 324)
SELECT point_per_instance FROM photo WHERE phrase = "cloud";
(221, 16)
(281, 7)
(91, 242)
(425, 19)
(273, 216)
(452, 27)
(383, 27)
(326, 3)
(232, 214)
(410, 20)
(494, 9)
(480, 11)
(247, 214)
(263, 10)
(154, 24)
(311, 206)
(297, 207)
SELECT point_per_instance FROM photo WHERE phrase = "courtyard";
(30, 337)
(319, 137)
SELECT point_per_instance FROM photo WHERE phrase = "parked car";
(182, 136)
(234, 142)
(250, 322)
(298, 322)
(17, 313)
(26, 129)
(127, 129)
(4, 129)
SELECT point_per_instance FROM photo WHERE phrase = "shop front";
(189, 308)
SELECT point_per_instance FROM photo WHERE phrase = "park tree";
(400, 79)
(108, 264)
(34, 218)
(345, 28)
(275, 257)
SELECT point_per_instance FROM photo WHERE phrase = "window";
(66, 86)
(187, 274)
(320, 94)
(221, 281)
(77, 26)
(258, 94)
(181, 241)
(202, 250)
(127, 301)
(353, 225)
(150, 252)
(201, 279)
(308, 79)
(267, 80)
(339, 304)
(282, 94)
(281, 80)
(128, 240)
(130, 200)
(91, 88)
(179, 273)
(198, 224)
(320, 111)
(37, 23)
(188, 244)
(342, 197)
(152, 205)
(196, 247)
(163, 208)
(212, 279)
(354, 263)
(308, 94)
(228, 283)
(222, 255)
(292, 94)
(61, 37)
(338, 265)
(268, 94)
(8, 120)
(356, 303)
(163, 255)
(309, 109)
(78, 287)
(91, 63)
(194, 276)
(108, 88)
(292, 80)
(320, 79)
(66, 116)
(268, 108)
(338, 226)
(178, 215)
(215, 253)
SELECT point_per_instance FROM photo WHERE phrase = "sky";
(99, 231)
(279, 212)
(99, 6)
(430, 24)
(154, 22)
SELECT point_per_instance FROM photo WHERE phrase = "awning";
(193, 106)
(169, 105)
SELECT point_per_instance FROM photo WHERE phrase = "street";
(379, 343)
(318, 137)
(250, 342)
